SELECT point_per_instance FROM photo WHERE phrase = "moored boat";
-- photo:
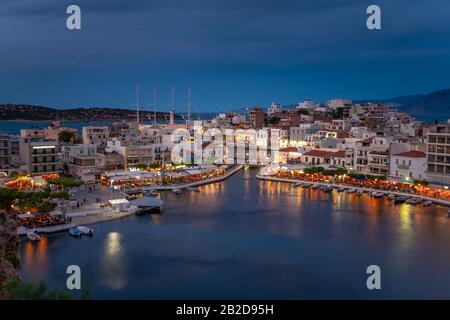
(350, 190)
(193, 189)
(399, 199)
(427, 203)
(377, 194)
(359, 192)
(413, 201)
(176, 190)
(86, 231)
(391, 196)
(33, 236)
(75, 232)
(315, 186)
(328, 189)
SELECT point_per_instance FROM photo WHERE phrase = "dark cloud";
(169, 37)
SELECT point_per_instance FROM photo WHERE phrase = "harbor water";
(248, 239)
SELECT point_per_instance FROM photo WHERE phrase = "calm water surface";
(244, 238)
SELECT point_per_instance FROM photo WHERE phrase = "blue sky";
(232, 53)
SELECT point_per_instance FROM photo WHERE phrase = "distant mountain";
(40, 113)
(434, 103)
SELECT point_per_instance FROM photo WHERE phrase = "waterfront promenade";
(226, 175)
(336, 185)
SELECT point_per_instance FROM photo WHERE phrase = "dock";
(22, 231)
(334, 185)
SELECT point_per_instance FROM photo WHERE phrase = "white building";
(97, 135)
(84, 162)
(409, 165)
(274, 108)
(306, 104)
(339, 103)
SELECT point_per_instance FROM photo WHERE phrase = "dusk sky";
(232, 53)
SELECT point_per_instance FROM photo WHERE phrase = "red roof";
(318, 153)
(412, 154)
(289, 149)
(339, 154)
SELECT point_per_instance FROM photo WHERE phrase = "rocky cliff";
(9, 253)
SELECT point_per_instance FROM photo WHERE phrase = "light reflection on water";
(268, 239)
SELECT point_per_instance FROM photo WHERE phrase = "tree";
(65, 136)
(7, 197)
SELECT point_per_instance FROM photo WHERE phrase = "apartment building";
(97, 135)
(84, 162)
(438, 153)
(133, 152)
(38, 155)
(5, 151)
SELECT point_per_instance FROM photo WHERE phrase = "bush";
(313, 170)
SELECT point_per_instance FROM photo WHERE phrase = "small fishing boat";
(359, 192)
(399, 199)
(341, 189)
(176, 190)
(306, 185)
(376, 194)
(75, 232)
(193, 189)
(151, 192)
(413, 201)
(350, 190)
(328, 189)
(298, 184)
(315, 186)
(391, 196)
(33, 236)
(427, 203)
(86, 231)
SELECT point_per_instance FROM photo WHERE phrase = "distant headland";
(23, 112)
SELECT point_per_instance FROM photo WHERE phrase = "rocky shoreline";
(9, 253)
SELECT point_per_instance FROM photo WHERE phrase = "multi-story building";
(257, 118)
(274, 108)
(5, 151)
(134, 153)
(97, 135)
(378, 156)
(409, 165)
(84, 162)
(39, 156)
(438, 153)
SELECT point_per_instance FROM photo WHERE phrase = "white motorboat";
(377, 194)
(359, 192)
(391, 196)
(86, 231)
(176, 190)
(33, 236)
(193, 189)
(350, 191)
(75, 232)
(315, 186)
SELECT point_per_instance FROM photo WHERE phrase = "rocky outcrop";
(9, 253)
